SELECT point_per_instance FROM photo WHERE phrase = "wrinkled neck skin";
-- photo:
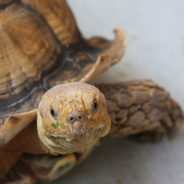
(56, 149)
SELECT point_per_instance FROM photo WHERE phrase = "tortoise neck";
(5, 3)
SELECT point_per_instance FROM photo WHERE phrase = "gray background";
(155, 51)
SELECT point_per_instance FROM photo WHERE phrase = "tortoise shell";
(41, 46)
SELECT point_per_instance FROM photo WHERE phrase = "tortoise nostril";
(76, 116)
(70, 118)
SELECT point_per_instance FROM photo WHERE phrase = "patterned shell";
(41, 46)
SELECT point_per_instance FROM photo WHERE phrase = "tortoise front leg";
(142, 109)
(25, 142)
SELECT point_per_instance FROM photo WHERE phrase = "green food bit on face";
(55, 124)
(64, 167)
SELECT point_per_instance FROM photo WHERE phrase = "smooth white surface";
(155, 51)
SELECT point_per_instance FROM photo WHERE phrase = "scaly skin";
(140, 108)
(143, 109)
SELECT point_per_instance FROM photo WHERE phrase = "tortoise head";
(72, 117)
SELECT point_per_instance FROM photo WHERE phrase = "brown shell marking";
(27, 50)
(59, 16)
(4, 3)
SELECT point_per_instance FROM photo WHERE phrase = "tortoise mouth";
(76, 143)
(56, 137)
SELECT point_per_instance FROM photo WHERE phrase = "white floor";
(155, 51)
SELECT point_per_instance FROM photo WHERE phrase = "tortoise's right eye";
(53, 113)
(95, 106)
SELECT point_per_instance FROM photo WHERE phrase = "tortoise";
(41, 47)
(43, 54)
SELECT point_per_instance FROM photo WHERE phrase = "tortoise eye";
(95, 106)
(53, 113)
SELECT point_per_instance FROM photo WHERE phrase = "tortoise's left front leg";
(142, 109)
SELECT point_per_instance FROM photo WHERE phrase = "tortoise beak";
(77, 121)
